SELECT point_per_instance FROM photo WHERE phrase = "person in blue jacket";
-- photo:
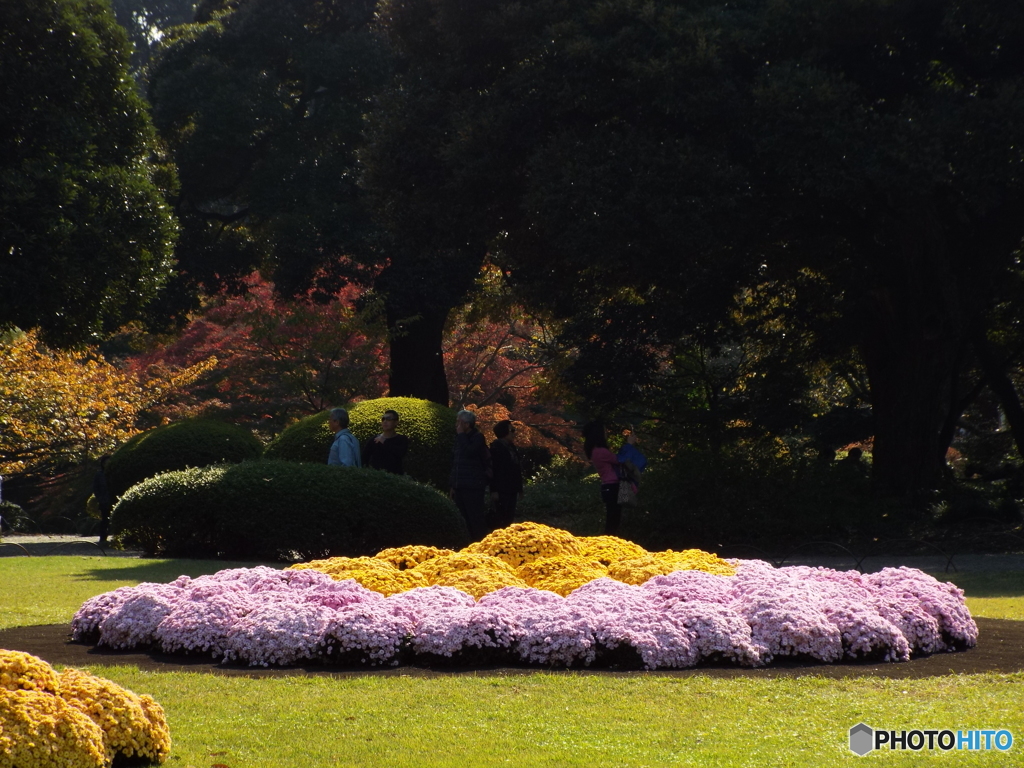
(345, 448)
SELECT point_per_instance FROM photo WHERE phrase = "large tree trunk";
(417, 362)
(1000, 384)
(914, 335)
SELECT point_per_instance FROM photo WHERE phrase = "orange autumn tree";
(63, 407)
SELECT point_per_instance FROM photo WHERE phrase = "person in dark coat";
(507, 483)
(471, 471)
(386, 450)
(103, 498)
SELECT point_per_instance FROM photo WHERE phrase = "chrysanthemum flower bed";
(535, 595)
(73, 719)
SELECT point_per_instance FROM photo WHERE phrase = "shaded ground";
(1000, 649)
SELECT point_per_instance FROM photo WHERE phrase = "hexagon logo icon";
(862, 739)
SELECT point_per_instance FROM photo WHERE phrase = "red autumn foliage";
(279, 358)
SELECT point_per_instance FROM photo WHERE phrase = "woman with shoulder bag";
(611, 469)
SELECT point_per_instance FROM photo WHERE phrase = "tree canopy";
(639, 166)
(85, 234)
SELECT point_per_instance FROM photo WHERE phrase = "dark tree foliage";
(261, 102)
(636, 165)
(146, 21)
(85, 234)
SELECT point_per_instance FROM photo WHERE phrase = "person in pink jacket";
(595, 446)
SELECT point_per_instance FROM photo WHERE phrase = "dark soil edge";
(1000, 649)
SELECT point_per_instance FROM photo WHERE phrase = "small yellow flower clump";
(522, 543)
(40, 730)
(373, 573)
(562, 573)
(411, 556)
(74, 720)
(462, 561)
(133, 726)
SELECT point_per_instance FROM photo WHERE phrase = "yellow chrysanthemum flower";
(23, 671)
(411, 555)
(609, 549)
(525, 542)
(561, 574)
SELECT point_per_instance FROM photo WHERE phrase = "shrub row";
(280, 510)
(191, 443)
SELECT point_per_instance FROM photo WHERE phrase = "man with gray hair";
(345, 448)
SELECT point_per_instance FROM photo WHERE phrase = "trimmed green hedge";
(279, 510)
(430, 428)
(190, 443)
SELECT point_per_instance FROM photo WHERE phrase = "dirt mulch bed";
(1000, 649)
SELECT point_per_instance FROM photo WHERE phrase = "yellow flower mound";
(522, 555)
(24, 672)
(523, 543)
(74, 720)
(478, 581)
(609, 549)
(696, 560)
(134, 726)
(373, 573)
(40, 730)
(637, 570)
(411, 556)
(562, 573)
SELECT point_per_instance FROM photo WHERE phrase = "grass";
(523, 718)
(48, 590)
(992, 594)
(564, 720)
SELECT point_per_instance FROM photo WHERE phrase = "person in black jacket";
(507, 483)
(103, 498)
(471, 471)
(386, 450)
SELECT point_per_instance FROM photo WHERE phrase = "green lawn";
(524, 718)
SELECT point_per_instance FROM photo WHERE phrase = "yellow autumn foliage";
(70, 405)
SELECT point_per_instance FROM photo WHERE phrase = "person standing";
(507, 483)
(386, 450)
(606, 463)
(471, 471)
(345, 448)
(101, 491)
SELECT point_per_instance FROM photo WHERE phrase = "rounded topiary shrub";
(308, 440)
(283, 510)
(429, 426)
(190, 443)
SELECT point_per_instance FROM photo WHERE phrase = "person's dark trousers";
(503, 512)
(612, 510)
(470, 502)
(104, 525)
